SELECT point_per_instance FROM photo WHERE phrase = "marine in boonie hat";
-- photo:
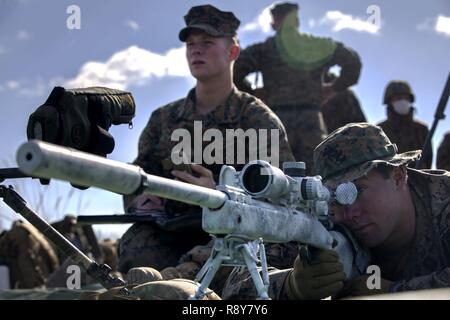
(353, 150)
(211, 20)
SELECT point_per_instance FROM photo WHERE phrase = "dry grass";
(49, 201)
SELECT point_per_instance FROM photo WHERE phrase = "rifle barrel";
(47, 160)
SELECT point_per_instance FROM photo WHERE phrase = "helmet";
(397, 87)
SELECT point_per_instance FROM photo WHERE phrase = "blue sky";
(133, 45)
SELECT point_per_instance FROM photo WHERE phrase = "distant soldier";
(211, 49)
(341, 109)
(401, 127)
(293, 66)
(443, 156)
(28, 255)
(82, 236)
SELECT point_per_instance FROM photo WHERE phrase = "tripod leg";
(212, 265)
(252, 268)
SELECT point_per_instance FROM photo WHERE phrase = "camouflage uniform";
(241, 110)
(81, 236)
(443, 156)
(403, 130)
(341, 109)
(348, 154)
(29, 256)
(293, 88)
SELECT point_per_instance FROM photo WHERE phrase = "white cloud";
(2, 50)
(311, 23)
(132, 66)
(262, 22)
(12, 85)
(132, 24)
(425, 25)
(23, 35)
(30, 88)
(343, 21)
(443, 25)
(440, 24)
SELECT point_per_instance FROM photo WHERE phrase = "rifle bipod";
(238, 251)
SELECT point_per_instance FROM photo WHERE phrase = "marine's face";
(207, 56)
(374, 216)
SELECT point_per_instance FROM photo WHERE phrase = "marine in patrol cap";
(351, 151)
(210, 20)
(280, 9)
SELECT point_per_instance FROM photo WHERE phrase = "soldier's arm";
(350, 64)
(248, 62)
(440, 278)
(146, 158)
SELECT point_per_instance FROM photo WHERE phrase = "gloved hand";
(358, 287)
(142, 275)
(322, 277)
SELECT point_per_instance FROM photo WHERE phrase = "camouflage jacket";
(28, 254)
(443, 156)
(341, 109)
(240, 111)
(408, 134)
(285, 85)
(427, 263)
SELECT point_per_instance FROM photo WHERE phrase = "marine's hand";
(204, 179)
(323, 277)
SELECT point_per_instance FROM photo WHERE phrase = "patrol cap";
(211, 20)
(280, 9)
(351, 151)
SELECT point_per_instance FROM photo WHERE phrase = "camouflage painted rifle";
(259, 203)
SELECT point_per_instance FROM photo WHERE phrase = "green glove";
(322, 277)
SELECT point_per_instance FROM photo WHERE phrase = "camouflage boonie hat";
(353, 150)
(280, 9)
(210, 20)
(397, 87)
